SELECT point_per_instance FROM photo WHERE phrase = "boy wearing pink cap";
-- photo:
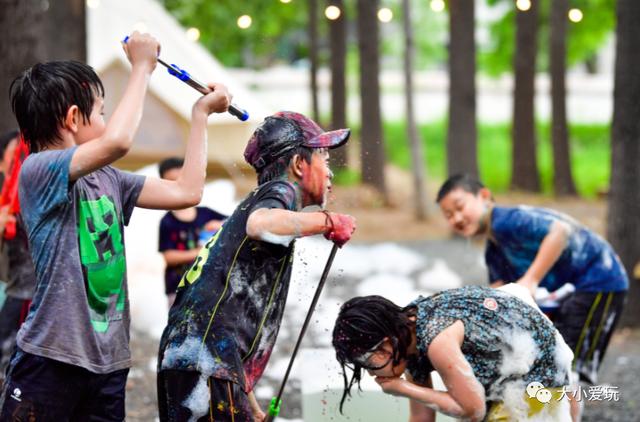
(229, 305)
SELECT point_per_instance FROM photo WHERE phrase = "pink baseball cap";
(285, 131)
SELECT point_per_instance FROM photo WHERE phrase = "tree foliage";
(584, 37)
(278, 30)
(431, 36)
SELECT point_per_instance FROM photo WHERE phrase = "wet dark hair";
(462, 181)
(363, 322)
(170, 164)
(279, 167)
(42, 95)
(6, 138)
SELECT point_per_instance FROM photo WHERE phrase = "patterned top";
(588, 261)
(229, 305)
(505, 340)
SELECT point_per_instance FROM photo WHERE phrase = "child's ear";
(296, 165)
(71, 119)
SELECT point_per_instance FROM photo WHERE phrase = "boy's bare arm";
(550, 250)
(142, 51)
(282, 226)
(186, 190)
(174, 257)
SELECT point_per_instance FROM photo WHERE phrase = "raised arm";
(186, 190)
(142, 51)
(550, 250)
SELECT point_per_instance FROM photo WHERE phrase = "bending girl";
(499, 358)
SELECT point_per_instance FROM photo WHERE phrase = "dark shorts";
(185, 395)
(12, 315)
(44, 390)
(586, 322)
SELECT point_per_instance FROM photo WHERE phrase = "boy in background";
(538, 247)
(73, 357)
(229, 306)
(180, 232)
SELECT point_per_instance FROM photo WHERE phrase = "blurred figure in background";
(17, 268)
(180, 233)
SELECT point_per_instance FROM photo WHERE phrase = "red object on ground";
(9, 195)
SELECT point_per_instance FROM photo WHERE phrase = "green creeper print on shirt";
(102, 256)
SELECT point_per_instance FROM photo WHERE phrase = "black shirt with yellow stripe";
(229, 305)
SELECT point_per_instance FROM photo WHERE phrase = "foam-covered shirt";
(229, 305)
(588, 261)
(505, 339)
(80, 309)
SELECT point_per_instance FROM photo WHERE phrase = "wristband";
(328, 220)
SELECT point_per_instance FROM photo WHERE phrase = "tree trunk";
(562, 180)
(524, 164)
(20, 48)
(624, 199)
(372, 145)
(70, 43)
(338, 46)
(313, 58)
(417, 157)
(462, 131)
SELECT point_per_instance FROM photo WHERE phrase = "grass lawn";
(590, 154)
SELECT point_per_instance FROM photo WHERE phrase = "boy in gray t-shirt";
(73, 355)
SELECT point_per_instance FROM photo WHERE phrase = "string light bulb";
(523, 5)
(437, 5)
(244, 21)
(332, 12)
(575, 15)
(193, 34)
(385, 15)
